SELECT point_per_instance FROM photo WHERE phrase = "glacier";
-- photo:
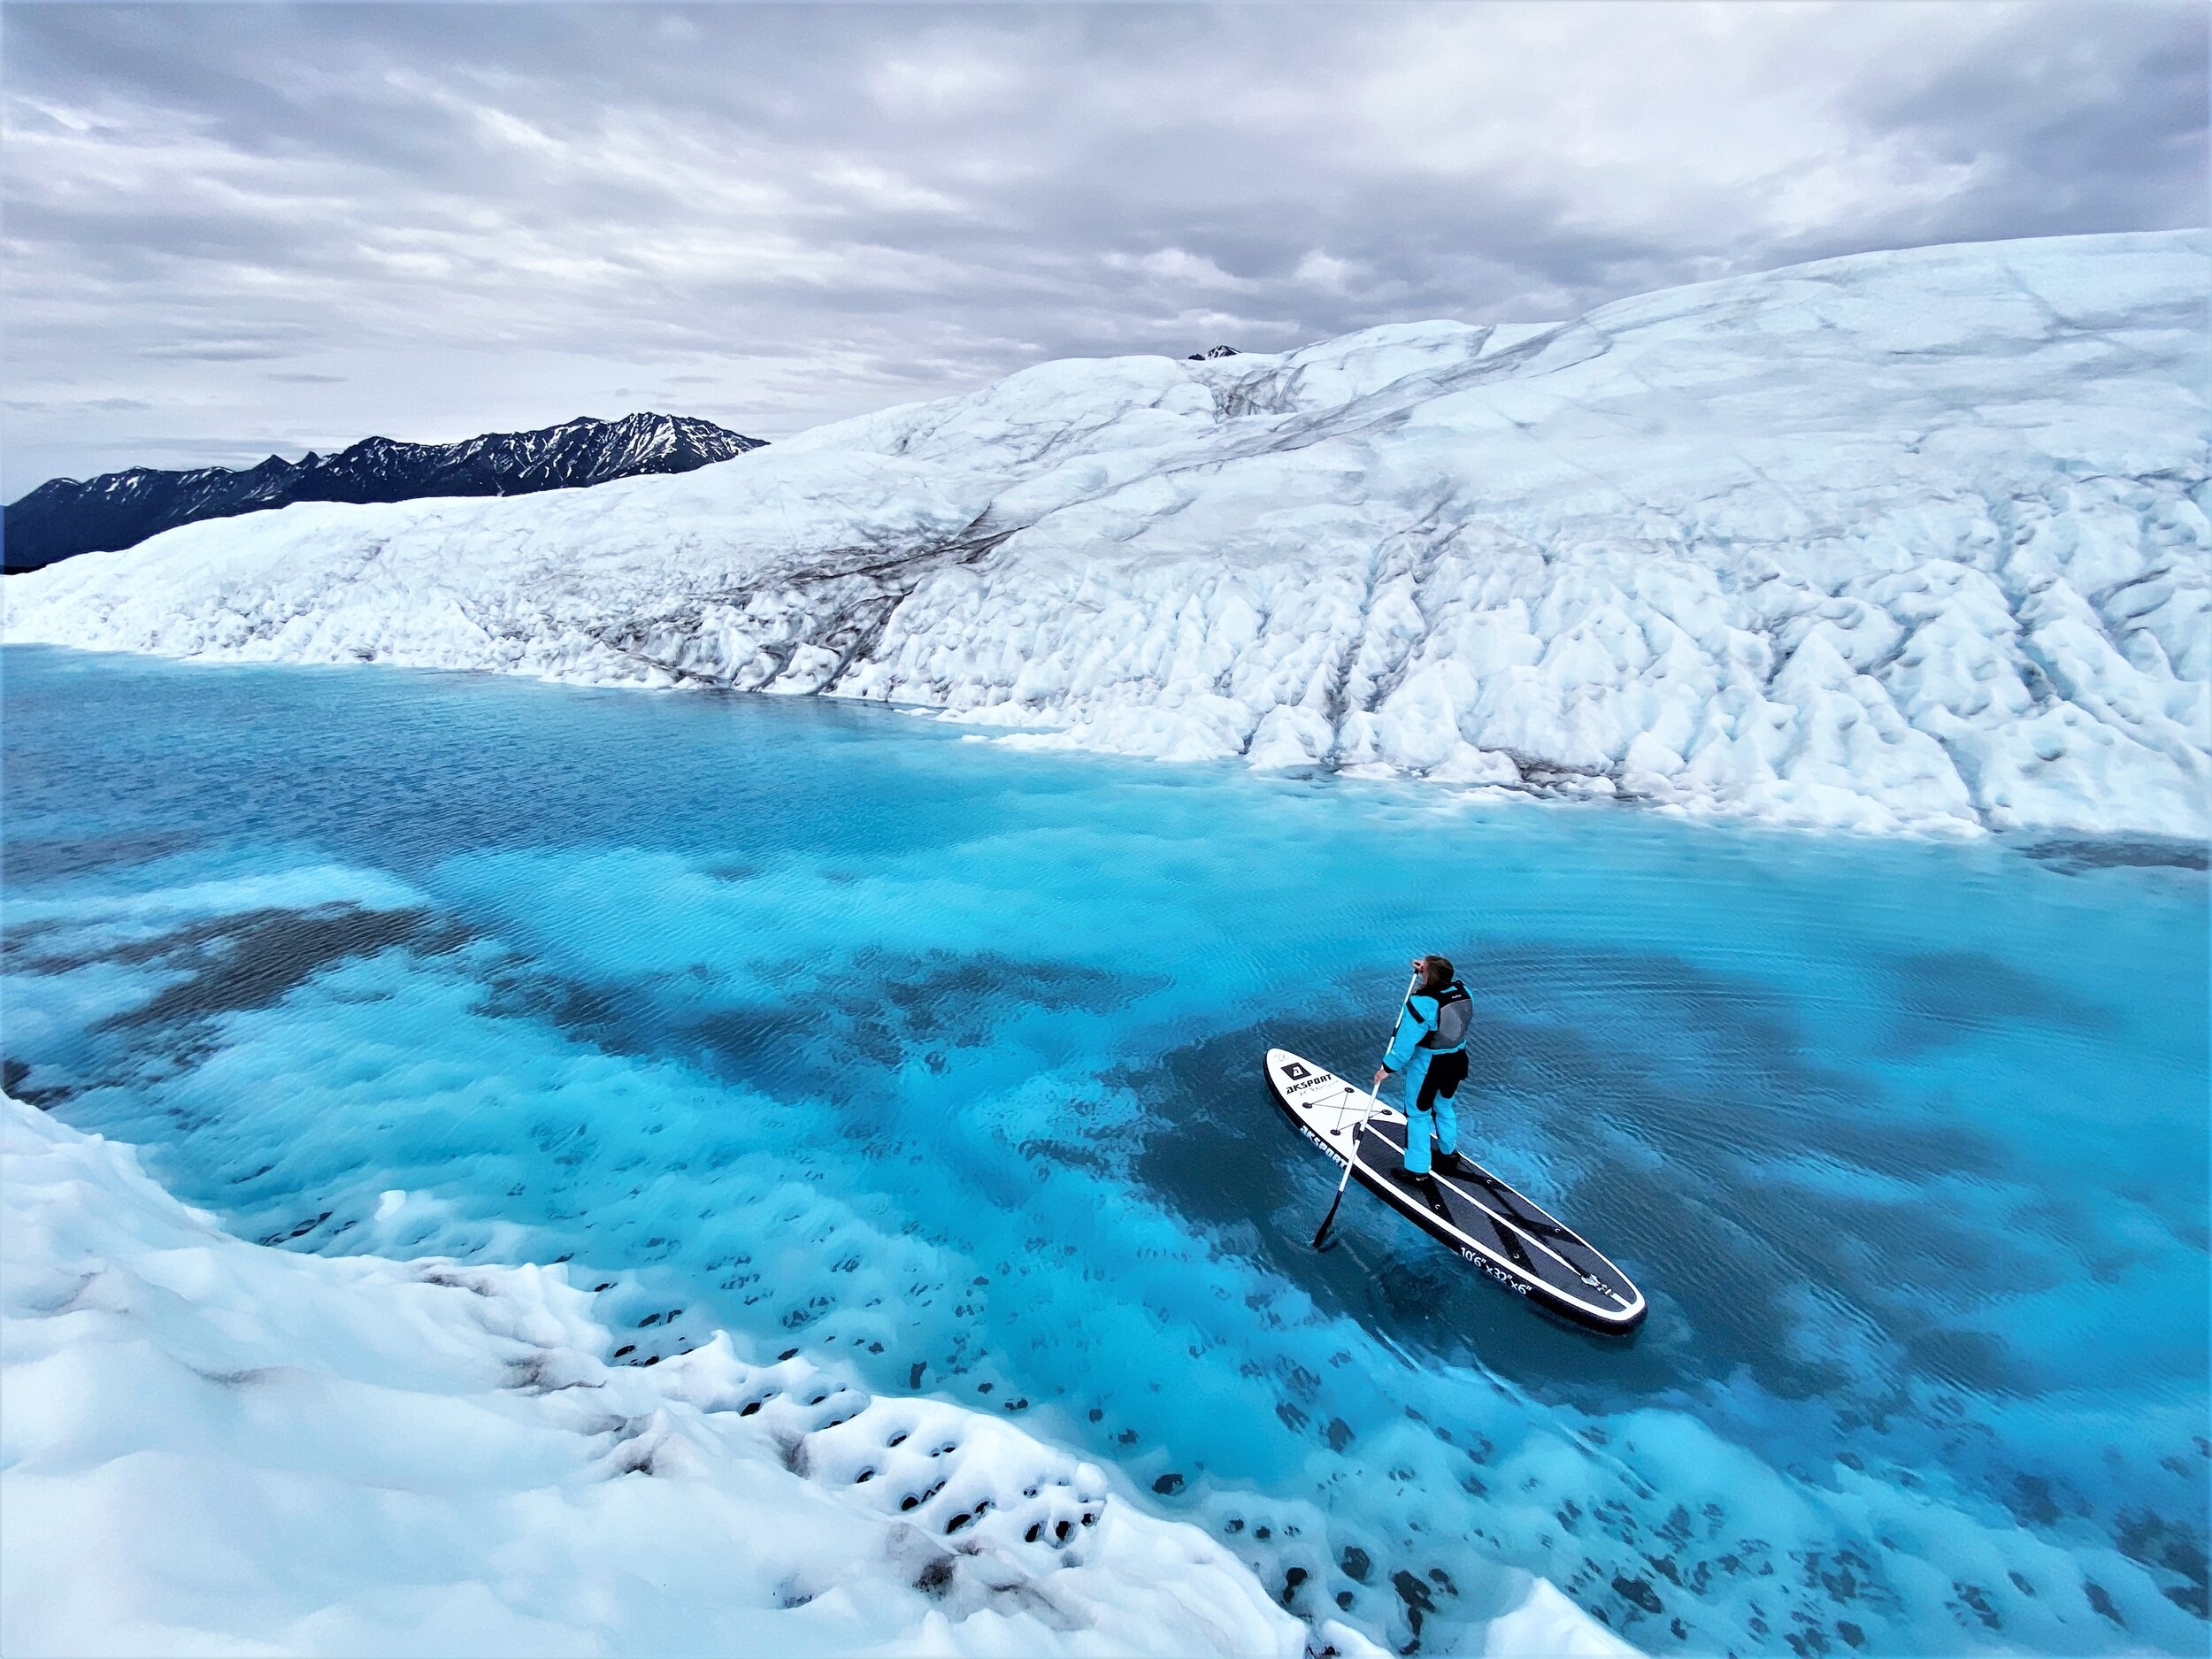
(1903, 541)
(214, 1445)
(380, 964)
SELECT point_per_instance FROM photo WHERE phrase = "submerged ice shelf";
(1906, 540)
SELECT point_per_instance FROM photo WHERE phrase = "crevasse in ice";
(1899, 540)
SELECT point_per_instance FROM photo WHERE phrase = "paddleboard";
(1469, 1209)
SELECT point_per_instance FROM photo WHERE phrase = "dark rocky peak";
(66, 516)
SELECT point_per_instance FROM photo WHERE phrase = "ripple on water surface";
(941, 1064)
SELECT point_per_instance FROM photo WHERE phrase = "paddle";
(1346, 1179)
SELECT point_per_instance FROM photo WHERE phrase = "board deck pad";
(1502, 1232)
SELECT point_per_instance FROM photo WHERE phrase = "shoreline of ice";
(215, 1445)
(1907, 542)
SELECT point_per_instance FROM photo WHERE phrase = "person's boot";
(1456, 1166)
(1423, 1185)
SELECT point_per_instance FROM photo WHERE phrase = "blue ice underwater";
(828, 1027)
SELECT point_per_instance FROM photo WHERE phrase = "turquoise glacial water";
(940, 1062)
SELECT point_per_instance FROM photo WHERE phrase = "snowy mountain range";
(67, 516)
(1909, 540)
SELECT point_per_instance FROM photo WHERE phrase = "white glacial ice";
(216, 1447)
(1901, 541)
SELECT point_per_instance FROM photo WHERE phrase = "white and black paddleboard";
(1476, 1214)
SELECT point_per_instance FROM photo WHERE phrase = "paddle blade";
(1328, 1220)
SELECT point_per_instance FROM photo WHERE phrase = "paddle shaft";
(1345, 1181)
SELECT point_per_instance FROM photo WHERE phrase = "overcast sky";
(234, 230)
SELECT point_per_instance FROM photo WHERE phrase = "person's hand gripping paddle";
(1329, 1220)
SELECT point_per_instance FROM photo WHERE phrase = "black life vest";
(1454, 1012)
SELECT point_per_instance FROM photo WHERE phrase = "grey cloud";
(468, 217)
(39, 408)
(2085, 117)
(215, 351)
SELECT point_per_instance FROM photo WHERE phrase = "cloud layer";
(232, 230)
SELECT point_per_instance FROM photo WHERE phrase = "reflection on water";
(942, 1063)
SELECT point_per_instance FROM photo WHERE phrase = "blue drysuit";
(1429, 1108)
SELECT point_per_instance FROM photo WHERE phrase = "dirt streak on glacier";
(1899, 542)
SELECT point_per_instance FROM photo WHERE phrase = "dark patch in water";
(1944, 995)
(1639, 1592)
(49, 858)
(941, 991)
(2101, 1598)
(889, 1007)
(14, 1079)
(763, 1047)
(870, 1016)
(2078, 857)
(2172, 1550)
(759, 1047)
(517, 990)
(19, 946)
(1065, 1154)
(1418, 1604)
(1960, 1358)
(257, 959)
(2032, 1500)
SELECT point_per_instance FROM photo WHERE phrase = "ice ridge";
(1900, 542)
(218, 1446)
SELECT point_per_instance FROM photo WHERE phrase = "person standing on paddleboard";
(1429, 1046)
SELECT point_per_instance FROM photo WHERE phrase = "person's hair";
(1436, 973)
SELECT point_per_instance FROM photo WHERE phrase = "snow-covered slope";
(1901, 541)
(216, 1447)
